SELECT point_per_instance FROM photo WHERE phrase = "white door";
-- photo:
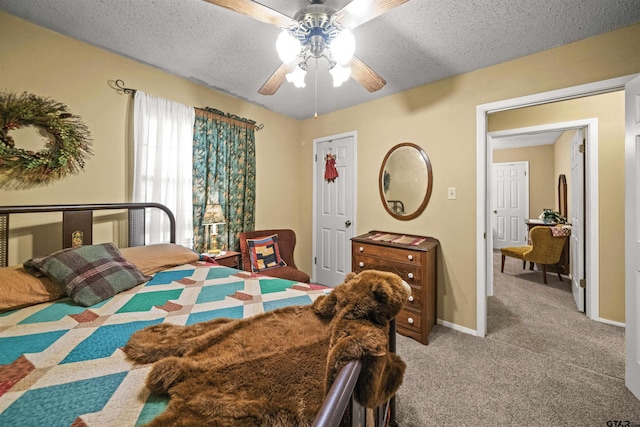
(334, 209)
(510, 200)
(577, 218)
(632, 234)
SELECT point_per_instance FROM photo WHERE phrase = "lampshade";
(343, 47)
(340, 74)
(287, 46)
(297, 77)
(213, 215)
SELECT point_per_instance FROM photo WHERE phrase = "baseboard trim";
(475, 333)
(457, 327)
(612, 322)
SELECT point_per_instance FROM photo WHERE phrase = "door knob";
(347, 223)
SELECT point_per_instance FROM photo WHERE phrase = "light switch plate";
(452, 193)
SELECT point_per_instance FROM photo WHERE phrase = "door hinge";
(485, 235)
(583, 283)
(315, 260)
(581, 148)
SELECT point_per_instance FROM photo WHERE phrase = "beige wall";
(608, 109)
(542, 188)
(51, 65)
(440, 117)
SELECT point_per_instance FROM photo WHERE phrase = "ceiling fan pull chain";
(315, 115)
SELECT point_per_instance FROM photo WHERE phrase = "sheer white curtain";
(163, 141)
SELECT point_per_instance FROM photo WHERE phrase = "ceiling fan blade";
(360, 11)
(274, 82)
(256, 11)
(364, 75)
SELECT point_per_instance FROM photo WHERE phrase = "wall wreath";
(64, 154)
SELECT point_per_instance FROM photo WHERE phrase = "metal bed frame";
(339, 409)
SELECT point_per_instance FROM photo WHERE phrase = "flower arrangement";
(551, 216)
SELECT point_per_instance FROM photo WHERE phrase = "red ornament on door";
(330, 171)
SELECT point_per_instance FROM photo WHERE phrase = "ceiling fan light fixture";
(297, 77)
(340, 74)
(288, 47)
(311, 33)
(343, 47)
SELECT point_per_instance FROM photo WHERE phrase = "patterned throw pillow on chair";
(264, 253)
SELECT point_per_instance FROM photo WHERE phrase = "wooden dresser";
(414, 259)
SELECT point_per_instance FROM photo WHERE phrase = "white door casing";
(484, 157)
(334, 209)
(510, 203)
(632, 235)
(576, 240)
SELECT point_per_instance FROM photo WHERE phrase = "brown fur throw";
(275, 368)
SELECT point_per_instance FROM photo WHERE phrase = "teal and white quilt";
(62, 364)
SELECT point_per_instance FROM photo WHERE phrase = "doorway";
(334, 207)
(550, 155)
(484, 158)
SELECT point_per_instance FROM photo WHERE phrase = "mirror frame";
(427, 196)
(562, 196)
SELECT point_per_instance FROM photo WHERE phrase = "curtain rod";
(229, 117)
(118, 86)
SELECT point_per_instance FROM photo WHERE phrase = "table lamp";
(213, 216)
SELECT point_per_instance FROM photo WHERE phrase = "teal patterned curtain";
(224, 171)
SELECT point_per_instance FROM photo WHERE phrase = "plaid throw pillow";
(264, 253)
(89, 274)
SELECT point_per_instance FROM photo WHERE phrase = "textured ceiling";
(415, 43)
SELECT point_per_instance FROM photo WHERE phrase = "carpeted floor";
(542, 363)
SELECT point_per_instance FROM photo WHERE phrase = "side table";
(228, 259)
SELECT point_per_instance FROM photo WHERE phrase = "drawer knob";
(411, 298)
(361, 249)
(410, 320)
(410, 275)
(410, 257)
(361, 264)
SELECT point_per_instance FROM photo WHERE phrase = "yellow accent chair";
(545, 249)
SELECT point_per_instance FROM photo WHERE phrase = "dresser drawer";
(415, 300)
(392, 254)
(409, 319)
(410, 273)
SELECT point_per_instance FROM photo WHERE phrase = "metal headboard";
(79, 218)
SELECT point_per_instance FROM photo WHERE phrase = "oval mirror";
(405, 181)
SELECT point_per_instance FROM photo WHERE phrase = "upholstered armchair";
(545, 249)
(286, 243)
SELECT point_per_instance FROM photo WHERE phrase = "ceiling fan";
(317, 32)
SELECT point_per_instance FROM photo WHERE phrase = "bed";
(62, 364)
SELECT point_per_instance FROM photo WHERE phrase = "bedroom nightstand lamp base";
(214, 245)
(213, 242)
(213, 216)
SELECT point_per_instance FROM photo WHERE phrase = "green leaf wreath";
(68, 146)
